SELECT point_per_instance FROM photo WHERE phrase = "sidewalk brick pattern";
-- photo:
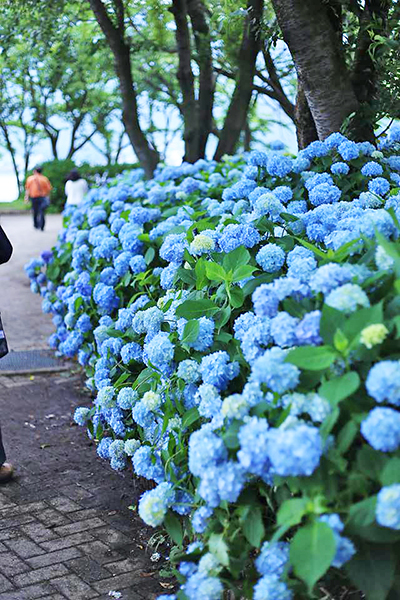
(65, 528)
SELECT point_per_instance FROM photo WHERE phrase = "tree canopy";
(200, 69)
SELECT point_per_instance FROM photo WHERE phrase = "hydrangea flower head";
(381, 429)
(383, 382)
(373, 335)
(271, 258)
(347, 298)
(388, 507)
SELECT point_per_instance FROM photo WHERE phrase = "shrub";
(239, 325)
(57, 171)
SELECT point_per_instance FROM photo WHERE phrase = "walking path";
(66, 530)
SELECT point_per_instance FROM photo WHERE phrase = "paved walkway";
(66, 530)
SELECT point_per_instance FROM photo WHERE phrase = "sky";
(42, 152)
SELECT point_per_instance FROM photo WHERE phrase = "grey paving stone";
(15, 521)
(64, 504)
(87, 568)
(111, 536)
(74, 588)
(29, 593)
(5, 584)
(53, 558)
(100, 552)
(68, 541)
(88, 524)
(12, 565)
(53, 518)
(119, 582)
(24, 548)
(38, 532)
(38, 575)
(124, 566)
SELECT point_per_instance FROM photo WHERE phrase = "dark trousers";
(38, 205)
(2, 452)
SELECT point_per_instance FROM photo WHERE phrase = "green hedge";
(57, 171)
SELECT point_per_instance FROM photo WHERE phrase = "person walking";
(6, 469)
(37, 190)
(75, 188)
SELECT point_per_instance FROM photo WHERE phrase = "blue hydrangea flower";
(126, 398)
(295, 451)
(379, 186)
(344, 547)
(388, 507)
(265, 301)
(160, 352)
(200, 519)
(324, 193)
(189, 371)
(273, 558)
(202, 587)
(81, 415)
(271, 369)
(131, 351)
(340, 168)
(348, 150)
(269, 587)
(347, 298)
(371, 169)
(137, 264)
(104, 447)
(205, 337)
(148, 465)
(205, 449)
(270, 258)
(307, 330)
(154, 504)
(283, 329)
(173, 247)
(383, 382)
(217, 370)
(381, 429)
(253, 439)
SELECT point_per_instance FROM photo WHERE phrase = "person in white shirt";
(75, 188)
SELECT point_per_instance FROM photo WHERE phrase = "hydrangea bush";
(239, 326)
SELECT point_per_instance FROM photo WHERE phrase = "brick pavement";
(66, 531)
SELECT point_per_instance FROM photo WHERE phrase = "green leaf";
(311, 247)
(219, 548)
(312, 551)
(222, 317)
(174, 528)
(190, 417)
(372, 569)
(150, 254)
(236, 258)
(371, 462)
(291, 512)
(312, 358)
(253, 526)
(346, 436)
(361, 319)
(362, 513)
(186, 275)
(215, 272)
(339, 388)
(331, 319)
(243, 272)
(231, 436)
(237, 297)
(391, 472)
(191, 331)
(200, 270)
(194, 309)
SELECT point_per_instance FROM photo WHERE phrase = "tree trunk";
(364, 75)
(147, 155)
(12, 152)
(198, 17)
(186, 80)
(239, 105)
(305, 127)
(313, 43)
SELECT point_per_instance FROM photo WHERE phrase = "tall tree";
(112, 23)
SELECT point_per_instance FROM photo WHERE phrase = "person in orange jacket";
(37, 190)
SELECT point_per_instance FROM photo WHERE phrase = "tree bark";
(364, 75)
(239, 105)
(306, 131)
(186, 80)
(10, 148)
(198, 17)
(313, 43)
(147, 155)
